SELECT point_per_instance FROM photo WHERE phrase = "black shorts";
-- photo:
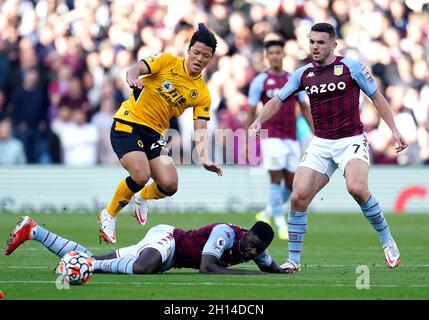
(127, 137)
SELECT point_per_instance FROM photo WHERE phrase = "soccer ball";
(76, 267)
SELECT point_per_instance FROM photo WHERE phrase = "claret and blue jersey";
(265, 86)
(333, 91)
(218, 239)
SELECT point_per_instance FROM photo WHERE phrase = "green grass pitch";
(334, 246)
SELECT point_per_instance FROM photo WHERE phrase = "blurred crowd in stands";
(63, 63)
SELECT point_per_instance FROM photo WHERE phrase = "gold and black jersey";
(167, 91)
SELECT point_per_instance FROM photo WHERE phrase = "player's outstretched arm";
(202, 145)
(385, 113)
(268, 111)
(251, 116)
(272, 268)
(134, 72)
(306, 112)
(266, 263)
(210, 265)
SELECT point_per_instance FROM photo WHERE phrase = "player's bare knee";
(140, 267)
(148, 262)
(358, 192)
(169, 188)
(299, 201)
(141, 177)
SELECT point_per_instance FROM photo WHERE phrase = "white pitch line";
(355, 265)
(89, 248)
(251, 267)
(219, 284)
(26, 267)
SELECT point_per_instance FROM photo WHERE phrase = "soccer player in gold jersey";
(164, 85)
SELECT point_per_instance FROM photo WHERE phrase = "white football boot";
(107, 226)
(141, 209)
(392, 256)
(290, 267)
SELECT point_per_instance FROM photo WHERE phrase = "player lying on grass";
(210, 249)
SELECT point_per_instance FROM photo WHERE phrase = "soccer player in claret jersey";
(333, 84)
(280, 150)
(210, 249)
(163, 85)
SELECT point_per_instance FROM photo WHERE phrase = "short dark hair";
(271, 43)
(204, 35)
(273, 39)
(325, 27)
(263, 231)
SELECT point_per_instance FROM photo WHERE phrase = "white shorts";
(325, 155)
(160, 238)
(279, 154)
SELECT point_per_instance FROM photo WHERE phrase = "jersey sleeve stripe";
(183, 65)
(211, 254)
(147, 65)
(293, 85)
